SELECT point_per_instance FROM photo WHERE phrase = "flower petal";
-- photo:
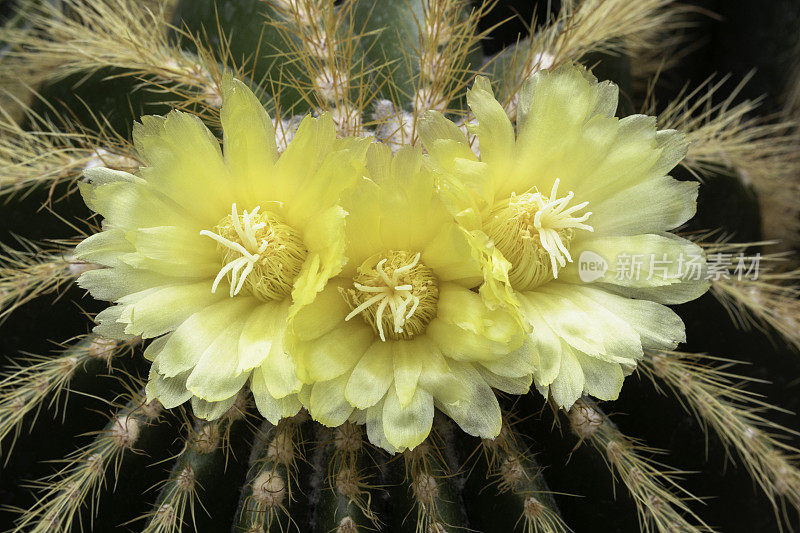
(263, 327)
(409, 358)
(280, 368)
(215, 377)
(183, 161)
(158, 310)
(568, 320)
(109, 325)
(663, 268)
(327, 404)
(270, 408)
(407, 425)
(511, 385)
(569, 384)
(372, 376)
(176, 251)
(193, 337)
(661, 204)
(111, 284)
(211, 410)
(443, 140)
(318, 318)
(619, 341)
(314, 175)
(494, 129)
(451, 256)
(325, 239)
(171, 392)
(375, 431)
(262, 344)
(548, 345)
(249, 137)
(658, 326)
(602, 379)
(478, 414)
(332, 354)
(516, 364)
(132, 204)
(105, 248)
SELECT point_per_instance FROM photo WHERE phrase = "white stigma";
(250, 249)
(390, 294)
(551, 216)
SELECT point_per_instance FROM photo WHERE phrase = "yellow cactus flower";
(571, 214)
(211, 253)
(399, 331)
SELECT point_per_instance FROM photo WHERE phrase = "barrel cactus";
(406, 265)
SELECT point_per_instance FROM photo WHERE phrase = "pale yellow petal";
(171, 392)
(108, 324)
(327, 404)
(332, 354)
(211, 410)
(661, 204)
(363, 222)
(410, 211)
(215, 377)
(183, 161)
(658, 326)
(467, 329)
(451, 256)
(568, 385)
(603, 380)
(548, 347)
(315, 168)
(569, 321)
(190, 253)
(375, 431)
(494, 129)
(195, 334)
(326, 312)
(463, 345)
(620, 342)
(111, 284)
(437, 378)
(478, 414)
(136, 205)
(443, 140)
(372, 376)
(663, 268)
(156, 311)
(325, 239)
(104, 248)
(395, 209)
(280, 371)
(270, 408)
(407, 425)
(248, 137)
(155, 347)
(409, 358)
(511, 385)
(263, 327)
(515, 364)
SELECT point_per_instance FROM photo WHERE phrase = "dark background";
(747, 34)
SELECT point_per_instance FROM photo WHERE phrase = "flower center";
(533, 232)
(395, 294)
(260, 253)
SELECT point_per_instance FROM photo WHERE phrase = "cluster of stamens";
(533, 232)
(398, 294)
(258, 243)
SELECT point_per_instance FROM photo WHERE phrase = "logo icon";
(591, 266)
